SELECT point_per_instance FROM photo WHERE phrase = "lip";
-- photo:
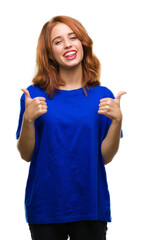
(69, 51)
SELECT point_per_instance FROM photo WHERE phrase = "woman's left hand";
(111, 107)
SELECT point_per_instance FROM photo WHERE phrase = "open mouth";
(70, 55)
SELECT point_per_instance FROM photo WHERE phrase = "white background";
(116, 30)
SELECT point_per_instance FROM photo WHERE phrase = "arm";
(26, 141)
(111, 108)
(110, 144)
(34, 108)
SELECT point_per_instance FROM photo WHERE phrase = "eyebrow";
(60, 36)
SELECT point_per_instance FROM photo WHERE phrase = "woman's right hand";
(35, 107)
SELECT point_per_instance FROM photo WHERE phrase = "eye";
(57, 42)
(73, 37)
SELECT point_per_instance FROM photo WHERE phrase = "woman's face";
(66, 47)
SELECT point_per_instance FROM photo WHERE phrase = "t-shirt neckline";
(65, 90)
(72, 91)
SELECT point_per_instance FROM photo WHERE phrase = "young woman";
(69, 128)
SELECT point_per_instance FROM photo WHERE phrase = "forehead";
(60, 29)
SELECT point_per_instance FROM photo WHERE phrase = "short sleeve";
(109, 94)
(22, 110)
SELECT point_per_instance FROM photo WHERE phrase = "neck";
(72, 77)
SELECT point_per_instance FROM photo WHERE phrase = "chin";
(71, 64)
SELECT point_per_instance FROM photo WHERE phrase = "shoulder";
(108, 92)
(34, 91)
(103, 92)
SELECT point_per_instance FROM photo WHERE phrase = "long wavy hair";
(47, 76)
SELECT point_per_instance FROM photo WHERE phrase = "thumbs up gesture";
(111, 107)
(35, 107)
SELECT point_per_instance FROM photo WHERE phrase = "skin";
(111, 108)
(34, 108)
(71, 72)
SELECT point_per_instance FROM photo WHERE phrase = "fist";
(35, 107)
(111, 107)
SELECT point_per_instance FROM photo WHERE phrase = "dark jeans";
(79, 230)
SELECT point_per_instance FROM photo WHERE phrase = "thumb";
(120, 94)
(27, 94)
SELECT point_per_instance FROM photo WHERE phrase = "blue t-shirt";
(67, 177)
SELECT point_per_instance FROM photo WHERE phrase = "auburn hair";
(47, 76)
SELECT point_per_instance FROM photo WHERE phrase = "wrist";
(27, 119)
(118, 119)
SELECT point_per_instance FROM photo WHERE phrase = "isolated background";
(116, 30)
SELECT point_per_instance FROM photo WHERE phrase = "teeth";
(73, 52)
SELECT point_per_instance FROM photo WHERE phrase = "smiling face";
(66, 47)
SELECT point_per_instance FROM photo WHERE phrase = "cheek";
(81, 51)
(56, 52)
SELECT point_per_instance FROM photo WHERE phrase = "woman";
(69, 128)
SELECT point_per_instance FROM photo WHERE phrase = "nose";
(67, 43)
